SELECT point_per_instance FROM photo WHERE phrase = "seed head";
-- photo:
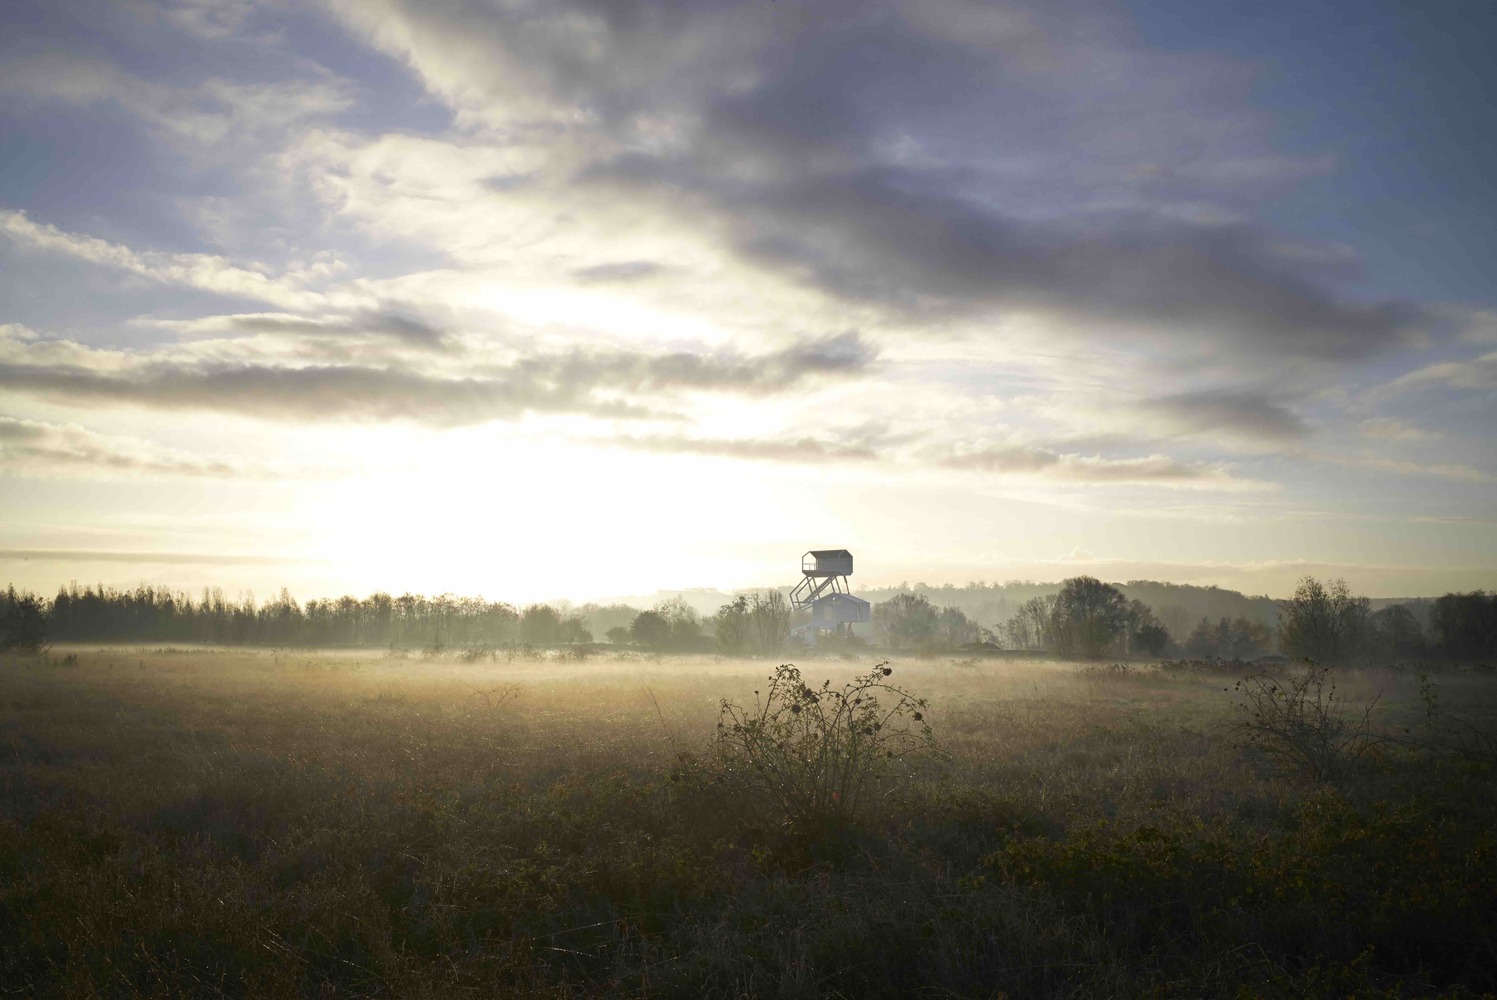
(888, 671)
(918, 716)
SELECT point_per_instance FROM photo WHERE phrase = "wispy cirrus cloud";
(209, 272)
(1478, 373)
(216, 119)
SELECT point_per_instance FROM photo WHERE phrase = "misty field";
(312, 823)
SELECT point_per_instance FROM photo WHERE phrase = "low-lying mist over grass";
(219, 822)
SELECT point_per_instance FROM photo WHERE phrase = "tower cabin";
(824, 592)
(826, 562)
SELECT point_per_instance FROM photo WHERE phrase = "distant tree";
(1089, 616)
(769, 622)
(753, 624)
(1201, 644)
(953, 628)
(685, 623)
(1033, 624)
(1138, 616)
(1464, 626)
(1247, 639)
(618, 635)
(1397, 632)
(23, 625)
(906, 621)
(1151, 640)
(651, 629)
(540, 625)
(1324, 622)
(731, 626)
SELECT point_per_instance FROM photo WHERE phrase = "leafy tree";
(540, 625)
(1464, 626)
(768, 622)
(685, 623)
(1089, 616)
(1033, 624)
(953, 628)
(1201, 644)
(731, 625)
(1228, 639)
(1248, 639)
(23, 626)
(1151, 639)
(756, 623)
(907, 621)
(618, 635)
(1397, 631)
(651, 629)
(1324, 622)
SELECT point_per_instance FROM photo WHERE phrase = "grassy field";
(313, 823)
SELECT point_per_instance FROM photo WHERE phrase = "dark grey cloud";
(843, 355)
(616, 384)
(1237, 414)
(389, 324)
(786, 134)
(897, 239)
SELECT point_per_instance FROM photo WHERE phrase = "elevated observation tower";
(825, 593)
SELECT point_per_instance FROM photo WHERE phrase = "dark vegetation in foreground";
(256, 824)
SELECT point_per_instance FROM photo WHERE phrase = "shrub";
(810, 756)
(1296, 721)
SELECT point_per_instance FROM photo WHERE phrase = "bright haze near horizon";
(586, 297)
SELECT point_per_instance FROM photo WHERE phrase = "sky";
(576, 298)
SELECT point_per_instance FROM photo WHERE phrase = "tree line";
(756, 623)
(1323, 622)
(1086, 617)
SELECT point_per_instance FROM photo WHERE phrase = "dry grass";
(294, 823)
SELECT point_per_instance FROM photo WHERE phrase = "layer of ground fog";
(284, 823)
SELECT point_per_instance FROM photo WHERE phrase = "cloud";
(30, 446)
(1241, 414)
(318, 392)
(147, 558)
(1431, 470)
(208, 272)
(1392, 429)
(851, 151)
(1030, 460)
(1474, 373)
(619, 271)
(356, 327)
(795, 450)
(216, 119)
(836, 356)
(613, 384)
(208, 19)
